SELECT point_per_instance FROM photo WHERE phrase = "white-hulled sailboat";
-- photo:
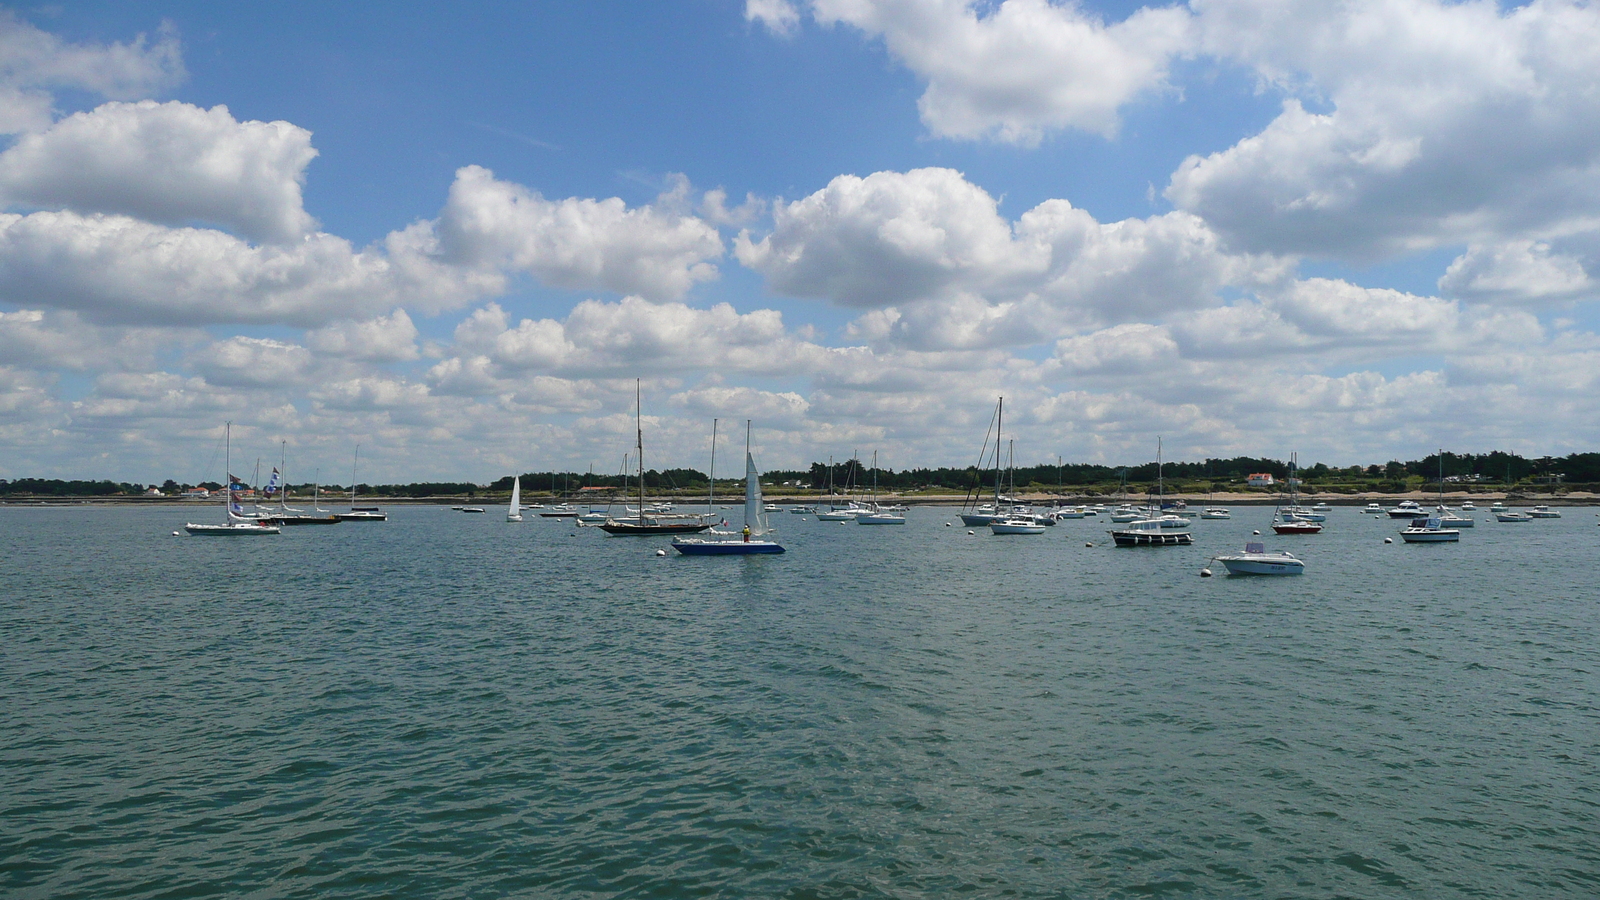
(514, 513)
(237, 525)
(747, 541)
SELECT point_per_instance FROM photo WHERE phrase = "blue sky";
(1357, 231)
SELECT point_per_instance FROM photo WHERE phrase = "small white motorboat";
(1544, 512)
(1215, 512)
(1428, 531)
(1469, 505)
(1511, 515)
(1407, 509)
(1016, 525)
(1497, 506)
(1255, 560)
(1373, 509)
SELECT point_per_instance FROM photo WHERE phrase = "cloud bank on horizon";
(1403, 255)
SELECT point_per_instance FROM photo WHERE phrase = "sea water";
(455, 706)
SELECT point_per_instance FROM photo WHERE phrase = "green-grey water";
(454, 706)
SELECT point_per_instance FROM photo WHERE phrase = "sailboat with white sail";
(237, 524)
(514, 512)
(752, 539)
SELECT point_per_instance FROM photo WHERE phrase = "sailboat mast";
(999, 429)
(227, 470)
(711, 486)
(638, 406)
(353, 467)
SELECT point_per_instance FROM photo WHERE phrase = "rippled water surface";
(453, 706)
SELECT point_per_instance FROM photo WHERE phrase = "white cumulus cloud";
(577, 242)
(170, 163)
(34, 63)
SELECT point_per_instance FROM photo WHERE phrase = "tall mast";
(353, 467)
(711, 491)
(999, 428)
(638, 405)
(227, 469)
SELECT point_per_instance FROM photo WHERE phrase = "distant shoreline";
(1575, 498)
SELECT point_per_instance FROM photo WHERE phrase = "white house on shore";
(1263, 479)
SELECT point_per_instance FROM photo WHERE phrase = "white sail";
(515, 513)
(754, 516)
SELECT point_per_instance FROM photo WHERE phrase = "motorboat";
(1215, 512)
(1016, 525)
(1407, 509)
(1497, 506)
(470, 509)
(1321, 506)
(1512, 515)
(560, 511)
(802, 510)
(1373, 509)
(1544, 512)
(1429, 530)
(1255, 560)
(1469, 505)
(1149, 533)
(1125, 513)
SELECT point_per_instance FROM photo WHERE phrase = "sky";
(457, 234)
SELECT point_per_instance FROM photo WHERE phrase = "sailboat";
(837, 513)
(875, 514)
(236, 523)
(359, 513)
(1289, 520)
(972, 514)
(286, 514)
(1432, 529)
(1155, 529)
(651, 523)
(514, 513)
(749, 541)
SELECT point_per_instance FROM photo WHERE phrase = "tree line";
(1494, 468)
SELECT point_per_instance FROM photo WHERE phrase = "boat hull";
(880, 519)
(1015, 528)
(975, 519)
(698, 547)
(648, 528)
(1262, 566)
(1429, 536)
(1152, 538)
(239, 530)
(1297, 528)
(302, 520)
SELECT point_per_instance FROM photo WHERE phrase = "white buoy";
(661, 553)
(1088, 544)
(1255, 532)
(174, 534)
(1205, 573)
(972, 532)
(1388, 540)
(947, 524)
